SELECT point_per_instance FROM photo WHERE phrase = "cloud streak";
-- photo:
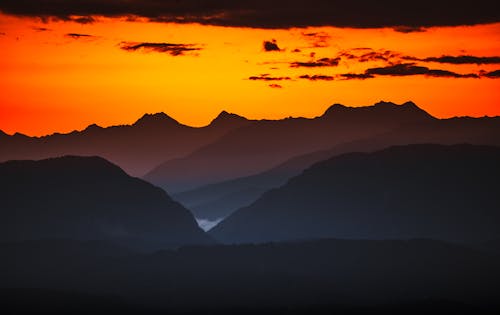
(461, 60)
(169, 48)
(77, 35)
(407, 69)
(407, 16)
(317, 77)
(275, 86)
(267, 77)
(493, 74)
(323, 62)
(318, 39)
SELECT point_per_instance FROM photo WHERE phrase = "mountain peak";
(93, 127)
(336, 108)
(384, 104)
(404, 111)
(155, 119)
(226, 118)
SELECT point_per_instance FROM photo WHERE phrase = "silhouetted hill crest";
(93, 127)
(157, 119)
(226, 118)
(406, 112)
(83, 198)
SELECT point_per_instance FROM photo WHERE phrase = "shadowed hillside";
(88, 198)
(442, 192)
(221, 199)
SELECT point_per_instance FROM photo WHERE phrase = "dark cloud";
(369, 55)
(317, 77)
(318, 39)
(464, 59)
(409, 29)
(449, 74)
(41, 29)
(172, 49)
(271, 45)
(296, 50)
(77, 35)
(356, 76)
(493, 74)
(82, 19)
(378, 56)
(323, 62)
(392, 57)
(266, 77)
(269, 14)
(275, 86)
(407, 69)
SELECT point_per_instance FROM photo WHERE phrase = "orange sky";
(51, 82)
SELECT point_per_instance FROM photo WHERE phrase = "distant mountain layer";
(89, 198)
(218, 200)
(136, 148)
(263, 144)
(435, 191)
(408, 277)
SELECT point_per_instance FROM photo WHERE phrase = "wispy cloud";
(323, 62)
(267, 77)
(275, 86)
(169, 48)
(459, 60)
(356, 76)
(318, 39)
(407, 69)
(77, 35)
(317, 77)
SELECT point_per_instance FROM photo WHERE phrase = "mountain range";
(264, 144)
(381, 209)
(217, 169)
(137, 148)
(432, 191)
(217, 200)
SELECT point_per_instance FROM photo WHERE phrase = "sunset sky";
(108, 62)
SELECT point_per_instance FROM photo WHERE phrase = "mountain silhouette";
(215, 201)
(136, 148)
(322, 276)
(434, 191)
(263, 144)
(86, 198)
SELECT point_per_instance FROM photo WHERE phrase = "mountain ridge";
(403, 191)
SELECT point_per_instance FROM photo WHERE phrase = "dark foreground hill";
(88, 198)
(435, 191)
(322, 276)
